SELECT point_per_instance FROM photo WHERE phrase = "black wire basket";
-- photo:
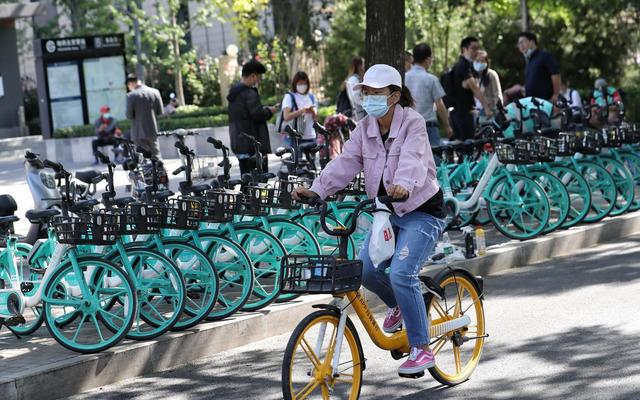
(282, 196)
(588, 142)
(182, 213)
(567, 144)
(221, 205)
(91, 228)
(517, 151)
(257, 200)
(139, 219)
(546, 148)
(611, 137)
(319, 274)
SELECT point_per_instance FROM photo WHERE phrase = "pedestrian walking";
(144, 103)
(356, 72)
(300, 110)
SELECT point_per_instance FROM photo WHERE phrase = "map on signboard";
(63, 80)
(66, 113)
(104, 84)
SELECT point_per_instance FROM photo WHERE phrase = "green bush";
(164, 124)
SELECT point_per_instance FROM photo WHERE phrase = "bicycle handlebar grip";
(145, 153)
(292, 132)
(351, 124)
(98, 179)
(216, 143)
(320, 128)
(177, 171)
(53, 165)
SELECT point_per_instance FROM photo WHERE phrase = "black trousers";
(102, 141)
(463, 124)
(248, 164)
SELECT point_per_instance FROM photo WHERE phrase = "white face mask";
(302, 88)
(479, 66)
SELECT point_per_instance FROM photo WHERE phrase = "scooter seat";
(36, 216)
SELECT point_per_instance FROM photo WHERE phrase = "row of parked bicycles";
(138, 266)
(534, 181)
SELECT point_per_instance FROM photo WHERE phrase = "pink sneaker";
(419, 360)
(393, 321)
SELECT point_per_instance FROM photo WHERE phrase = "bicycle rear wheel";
(307, 365)
(458, 352)
(518, 207)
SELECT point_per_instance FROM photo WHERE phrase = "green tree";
(345, 40)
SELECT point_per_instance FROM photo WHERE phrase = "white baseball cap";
(380, 76)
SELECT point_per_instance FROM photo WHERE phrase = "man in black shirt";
(542, 74)
(465, 87)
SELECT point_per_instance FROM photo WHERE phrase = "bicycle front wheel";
(307, 367)
(458, 352)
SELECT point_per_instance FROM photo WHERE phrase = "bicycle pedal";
(412, 376)
(15, 320)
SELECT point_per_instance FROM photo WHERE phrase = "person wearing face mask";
(465, 89)
(489, 82)
(390, 145)
(300, 110)
(106, 128)
(248, 115)
(542, 74)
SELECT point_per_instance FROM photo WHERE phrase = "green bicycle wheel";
(160, 289)
(235, 274)
(558, 197)
(266, 253)
(518, 207)
(296, 239)
(624, 185)
(602, 187)
(579, 194)
(632, 162)
(201, 279)
(88, 332)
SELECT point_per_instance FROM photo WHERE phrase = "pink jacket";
(405, 160)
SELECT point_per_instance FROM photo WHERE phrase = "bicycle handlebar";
(292, 132)
(320, 129)
(145, 153)
(217, 143)
(316, 201)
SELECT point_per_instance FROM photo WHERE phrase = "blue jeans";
(434, 135)
(416, 236)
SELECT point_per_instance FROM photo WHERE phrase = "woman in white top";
(356, 71)
(301, 105)
(489, 83)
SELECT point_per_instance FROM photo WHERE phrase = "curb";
(84, 372)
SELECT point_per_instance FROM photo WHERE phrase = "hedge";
(196, 119)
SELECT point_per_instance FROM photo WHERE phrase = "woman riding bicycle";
(391, 146)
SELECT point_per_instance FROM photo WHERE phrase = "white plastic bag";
(383, 241)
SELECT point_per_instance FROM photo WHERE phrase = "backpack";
(280, 122)
(446, 80)
(343, 104)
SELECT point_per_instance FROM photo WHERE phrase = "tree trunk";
(384, 38)
(176, 61)
(524, 15)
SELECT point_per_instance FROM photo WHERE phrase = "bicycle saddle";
(36, 216)
(121, 202)
(83, 205)
(164, 195)
(87, 176)
(8, 205)
(8, 219)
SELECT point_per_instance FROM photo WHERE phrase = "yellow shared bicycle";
(324, 356)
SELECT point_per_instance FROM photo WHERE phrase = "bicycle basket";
(517, 152)
(282, 196)
(566, 144)
(220, 205)
(182, 213)
(611, 137)
(257, 200)
(588, 142)
(319, 274)
(139, 219)
(92, 228)
(546, 148)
